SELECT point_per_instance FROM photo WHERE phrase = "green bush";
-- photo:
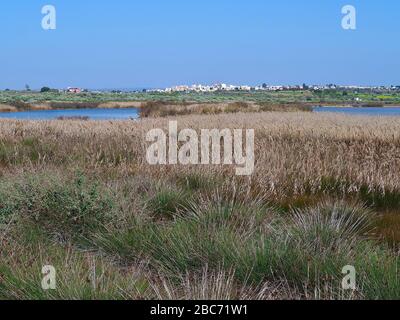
(66, 208)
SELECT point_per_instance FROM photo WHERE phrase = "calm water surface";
(92, 114)
(387, 111)
(133, 113)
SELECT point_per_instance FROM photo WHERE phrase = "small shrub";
(68, 209)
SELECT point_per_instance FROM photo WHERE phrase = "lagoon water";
(373, 111)
(133, 113)
(92, 114)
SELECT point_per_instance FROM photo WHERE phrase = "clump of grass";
(195, 181)
(167, 203)
(79, 276)
(216, 285)
(335, 236)
(377, 273)
(197, 237)
(327, 227)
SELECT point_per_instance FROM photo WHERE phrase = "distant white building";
(74, 90)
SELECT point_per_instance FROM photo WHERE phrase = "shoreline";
(48, 106)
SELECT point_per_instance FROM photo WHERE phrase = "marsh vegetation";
(79, 195)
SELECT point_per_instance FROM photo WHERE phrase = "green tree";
(45, 89)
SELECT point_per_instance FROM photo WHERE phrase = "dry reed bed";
(155, 109)
(294, 151)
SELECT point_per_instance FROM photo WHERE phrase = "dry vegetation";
(161, 108)
(155, 109)
(79, 195)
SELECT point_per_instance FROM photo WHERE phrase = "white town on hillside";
(199, 88)
(265, 87)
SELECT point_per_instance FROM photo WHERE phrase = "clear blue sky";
(158, 43)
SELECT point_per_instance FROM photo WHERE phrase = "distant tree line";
(47, 89)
